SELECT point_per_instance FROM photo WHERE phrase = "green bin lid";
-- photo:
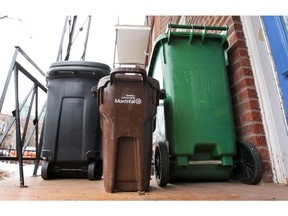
(191, 34)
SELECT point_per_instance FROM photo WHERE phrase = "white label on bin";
(128, 99)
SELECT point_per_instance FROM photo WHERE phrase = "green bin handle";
(193, 27)
(217, 28)
(223, 34)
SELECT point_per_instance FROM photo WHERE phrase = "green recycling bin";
(199, 141)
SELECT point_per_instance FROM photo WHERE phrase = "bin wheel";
(161, 160)
(95, 170)
(248, 164)
(46, 172)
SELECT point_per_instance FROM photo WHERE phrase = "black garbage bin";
(71, 143)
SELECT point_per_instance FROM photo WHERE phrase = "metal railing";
(22, 140)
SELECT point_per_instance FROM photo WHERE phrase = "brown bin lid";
(124, 70)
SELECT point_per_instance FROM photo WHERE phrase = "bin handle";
(224, 30)
(203, 34)
(113, 74)
(191, 33)
(216, 28)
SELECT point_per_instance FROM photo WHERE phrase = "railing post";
(35, 122)
(18, 131)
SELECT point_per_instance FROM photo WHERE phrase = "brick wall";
(158, 25)
(247, 115)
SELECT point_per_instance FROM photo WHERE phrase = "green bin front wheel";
(46, 172)
(248, 163)
(95, 170)
(161, 160)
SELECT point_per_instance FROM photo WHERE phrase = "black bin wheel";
(46, 172)
(161, 160)
(95, 170)
(248, 164)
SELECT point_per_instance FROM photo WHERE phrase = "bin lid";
(190, 35)
(77, 68)
(103, 82)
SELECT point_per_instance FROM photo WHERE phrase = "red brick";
(254, 116)
(197, 20)
(236, 27)
(251, 129)
(267, 167)
(233, 46)
(264, 154)
(245, 94)
(218, 20)
(189, 19)
(239, 62)
(258, 128)
(238, 43)
(235, 36)
(243, 83)
(239, 52)
(236, 19)
(224, 21)
(251, 104)
(242, 72)
(211, 21)
(232, 39)
(259, 140)
(267, 178)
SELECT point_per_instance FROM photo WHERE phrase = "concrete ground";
(195, 198)
(84, 190)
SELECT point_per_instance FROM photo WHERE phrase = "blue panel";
(278, 39)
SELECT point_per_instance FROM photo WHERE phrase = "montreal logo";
(137, 101)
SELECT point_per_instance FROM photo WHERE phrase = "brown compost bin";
(128, 101)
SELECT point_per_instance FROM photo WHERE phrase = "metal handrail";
(15, 68)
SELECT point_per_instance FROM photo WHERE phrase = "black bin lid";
(77, 69)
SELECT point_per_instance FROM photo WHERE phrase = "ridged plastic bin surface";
(72, 126)
(128, 105)
(198, 112)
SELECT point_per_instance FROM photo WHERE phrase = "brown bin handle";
(113, 74)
